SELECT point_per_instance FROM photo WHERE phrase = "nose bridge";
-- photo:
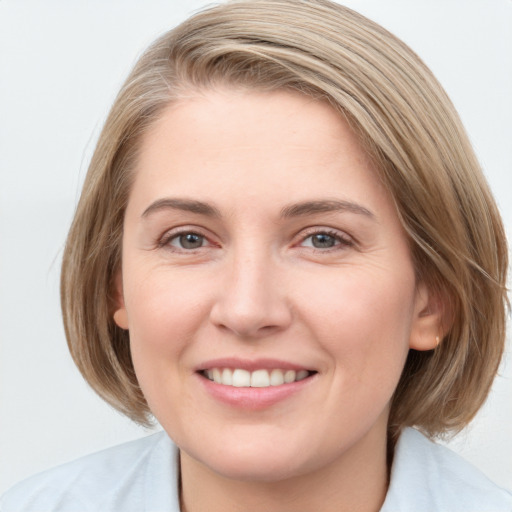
(252, 301)
(252, 273)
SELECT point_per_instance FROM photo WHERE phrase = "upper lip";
(250, 364)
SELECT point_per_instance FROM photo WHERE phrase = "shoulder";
(426, 476)
(123, 478)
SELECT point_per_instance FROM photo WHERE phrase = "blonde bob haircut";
(407, 125)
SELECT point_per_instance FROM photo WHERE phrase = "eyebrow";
(293, 210)
(188, 205)
(324, 206)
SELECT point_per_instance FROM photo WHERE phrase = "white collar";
(427, 477)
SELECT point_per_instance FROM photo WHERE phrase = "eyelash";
(341, 240)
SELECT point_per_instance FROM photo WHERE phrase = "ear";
(429, 325)
(120, 315)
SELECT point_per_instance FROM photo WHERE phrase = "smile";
(241, 378)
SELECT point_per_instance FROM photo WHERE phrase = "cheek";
(363, 319)
(164, 314)
(162, 301)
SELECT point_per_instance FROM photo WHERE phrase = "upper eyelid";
(179, 230)
(313, 230)
(332, 234)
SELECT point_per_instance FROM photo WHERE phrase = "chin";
(255, 463)
(264, 472)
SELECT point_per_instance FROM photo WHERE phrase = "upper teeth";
(258, 379)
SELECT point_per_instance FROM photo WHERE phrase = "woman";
(286, 253)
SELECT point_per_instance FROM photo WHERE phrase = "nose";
(252, 301)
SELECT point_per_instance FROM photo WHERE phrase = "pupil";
(323, 241)
(191, 241)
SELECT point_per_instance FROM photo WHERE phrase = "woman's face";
(260, 248)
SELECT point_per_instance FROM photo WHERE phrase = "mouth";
(261, 378)
(254, 385)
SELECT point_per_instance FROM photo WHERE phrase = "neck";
(357, 483)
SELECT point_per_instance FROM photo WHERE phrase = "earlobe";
(120, 314)
(121, 318)
(428, 327)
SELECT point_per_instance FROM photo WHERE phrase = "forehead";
(233, 144)
(238, 116)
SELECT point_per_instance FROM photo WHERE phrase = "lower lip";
(253, 398)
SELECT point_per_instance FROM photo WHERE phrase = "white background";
(61, 64)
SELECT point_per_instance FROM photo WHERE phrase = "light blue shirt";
(142, 476)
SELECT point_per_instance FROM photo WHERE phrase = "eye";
(325, 240)
(321, 241)
(187, 240)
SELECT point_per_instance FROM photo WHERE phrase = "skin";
(257, 287)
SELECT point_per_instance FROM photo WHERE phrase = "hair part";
(408, 127)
